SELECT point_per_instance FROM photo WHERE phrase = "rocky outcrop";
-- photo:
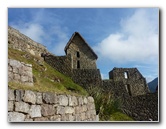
(26, 105)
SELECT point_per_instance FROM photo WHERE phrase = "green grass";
(118, 116)
(108, 108)
(44, 76)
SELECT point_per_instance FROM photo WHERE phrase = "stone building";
(79, 63)
(82, 55)
(132, 79)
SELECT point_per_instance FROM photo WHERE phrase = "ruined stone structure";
(134, 82)
(26, 105)
(79, 64)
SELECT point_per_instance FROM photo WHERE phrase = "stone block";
(80, 101)
(29, 97)
(85, 100)
(63, 100)
(55, 118)
(90, 99)
(16, 77)
(78, 109)
(39, 98)
(47, 110)
(41, 119)
(50, 98)
(14, 63)
(15, 70)
(24, 79)
(69, 110)
(91, 106)
(11, 94)
(15, 117)
(10, 68)
(84, 108)
(22, 107)
(72, 101)
(60, 110)
(10, 105)
(28, 119)
(10, 76)
(19, 95)
(35, 111)
(83, 116)
(77, 117)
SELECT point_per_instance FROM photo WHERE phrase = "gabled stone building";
(82, 55)
(132, 79)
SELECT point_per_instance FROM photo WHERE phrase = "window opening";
(128, 89)
(78, 54)
(126, 75)
(78, 64)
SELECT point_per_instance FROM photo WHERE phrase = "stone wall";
(26, 105)
(140, 108)
(81, 53)
(19, 41)
(20, 72)
(133, 80)
(87, 77)
(60, 63)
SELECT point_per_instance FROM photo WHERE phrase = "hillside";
(153, 85)
(45, 77)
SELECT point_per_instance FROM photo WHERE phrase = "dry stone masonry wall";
(20, 72)
(26, 105)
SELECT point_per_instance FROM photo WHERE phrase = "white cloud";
(137, 40)
(32, 30)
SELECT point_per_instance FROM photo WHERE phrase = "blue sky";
(121, 37)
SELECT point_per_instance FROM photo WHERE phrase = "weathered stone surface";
(60, 110)
(91, 106)
(72, 101)
(47, 110)
(41, 119)
(10, 76)
(55, 118)
(50, 98)
(22, 107)
(69, 110)
(71, 117)
(80, 101)
(16, 77)
(77, 117)
(78, 109)
(28, 119)
(35, 111)
(10, 105)
(63, 100)
(85, 100)
(15, 117)
(90, 99)
(19, 95)
(30, 97)
(14, 63)
(24, 79)
(84, 108)
(39, 98)
(11, 94)
(83, 117)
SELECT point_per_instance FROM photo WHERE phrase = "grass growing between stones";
(108, 108)
(45, 77)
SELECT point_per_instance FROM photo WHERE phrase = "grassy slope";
(44, 76)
